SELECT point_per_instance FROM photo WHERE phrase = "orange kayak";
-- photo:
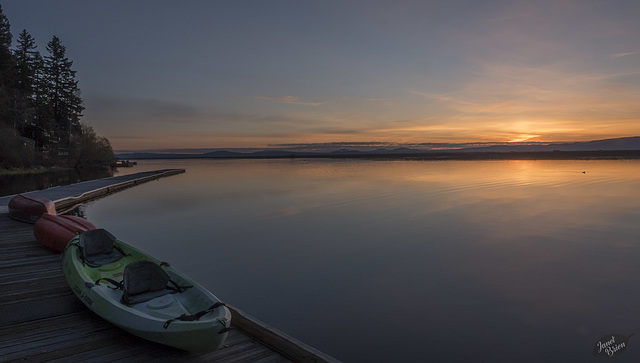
(28, 209)
(55, 231)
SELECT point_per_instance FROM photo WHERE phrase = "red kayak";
(55, 231)
(28, 209)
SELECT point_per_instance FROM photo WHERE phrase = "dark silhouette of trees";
(15, 152)
(62, 106)
(89, 149)
(28, 67)
(41, 107)
(6, 69)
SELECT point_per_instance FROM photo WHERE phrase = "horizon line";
(372, 144)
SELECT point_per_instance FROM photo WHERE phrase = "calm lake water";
(405, 261)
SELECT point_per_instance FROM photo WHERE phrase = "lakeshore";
(21, 171)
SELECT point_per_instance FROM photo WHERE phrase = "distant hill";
(623, 143)
(219, 154)
(618, 144)
(213, 154)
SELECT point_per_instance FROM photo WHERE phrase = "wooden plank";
(123, 350)
(39, 308)
(18, 291)
(20, 274)
(276, 358)
(63, 345)
(48, 342)
(25, 333)
(29, 261)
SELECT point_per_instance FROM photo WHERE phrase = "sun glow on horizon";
(523, 138)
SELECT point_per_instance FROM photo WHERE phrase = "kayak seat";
(145, 280)
(98, 247)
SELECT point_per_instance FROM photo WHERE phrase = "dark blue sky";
(158, 74)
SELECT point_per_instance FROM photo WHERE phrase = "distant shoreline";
(476, 155)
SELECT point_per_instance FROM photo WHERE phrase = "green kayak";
(142, 295)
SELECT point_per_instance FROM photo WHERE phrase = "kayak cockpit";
(98, 247)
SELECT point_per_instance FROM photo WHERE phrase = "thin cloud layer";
(620, 55)
(289, 99)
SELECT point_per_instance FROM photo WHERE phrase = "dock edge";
(277, 340)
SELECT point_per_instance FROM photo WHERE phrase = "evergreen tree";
(5, 31)
(28, 68)
(62, 103)
(7, 69)
(40, 99)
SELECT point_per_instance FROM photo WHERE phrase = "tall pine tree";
(62, 103)
(28, 69)
(7, 72)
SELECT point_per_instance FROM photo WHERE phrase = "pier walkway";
(67, 196)
(42, 320)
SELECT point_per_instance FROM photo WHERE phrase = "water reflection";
(78, 211)
(404, 260)
(20, 183)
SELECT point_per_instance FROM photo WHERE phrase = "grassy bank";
(39, 170)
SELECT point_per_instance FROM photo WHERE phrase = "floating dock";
(42, 320)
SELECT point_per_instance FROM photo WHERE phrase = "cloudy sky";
(209, 74)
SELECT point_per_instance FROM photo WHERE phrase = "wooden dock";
(42, 320)
(68, 196)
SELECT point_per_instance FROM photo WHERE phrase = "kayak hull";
(148, 319)
(28, 209)
(55, 231)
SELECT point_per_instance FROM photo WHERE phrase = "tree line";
(41, 107)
